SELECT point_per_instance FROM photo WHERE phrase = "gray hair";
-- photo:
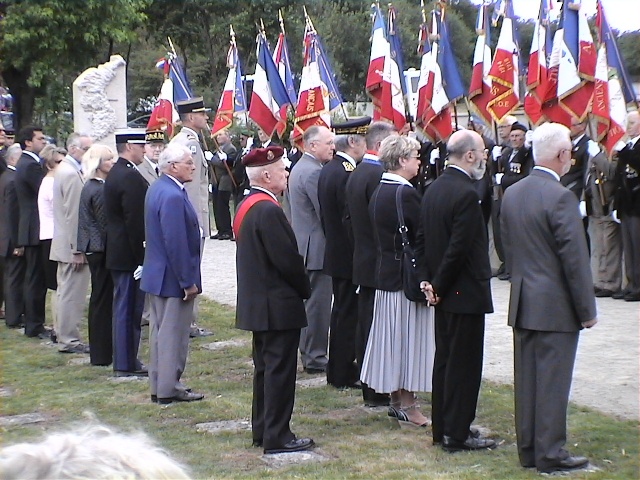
(93, 157)
(395, 147)
(311, 134)
(546, 140)
(92, 452)
(341, 142)
(460, 143)
(377, 132)
(13, 153)
(48, 152)
(73, 140)
(173, 153)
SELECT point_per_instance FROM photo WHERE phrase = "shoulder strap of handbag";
(402, 228)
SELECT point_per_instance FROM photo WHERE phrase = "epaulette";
(348, 166)
(191, 136)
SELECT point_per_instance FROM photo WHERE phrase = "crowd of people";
(334, 237)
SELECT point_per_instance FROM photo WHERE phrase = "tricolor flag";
(232, 99)
(326, 74)
(281, 59)
(480, 87)
(380, 51)
(181, 88)
(613, 90)
(433, 114)
(313, 100)
(571, 67)
(537, 72)
(392, 107)
(504, 72)
(269, 99)
(175, 87)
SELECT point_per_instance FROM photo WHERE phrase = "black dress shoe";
(214, 237)
(295, 445)
(632, 297)
(75, 348)
(182, 396)
(504, 276)
(373, 399)
(257, 443)
(602, 293)
(355, 385)
(142, 372)
(225, 236)
(471, 443)
(314, 371)
(154, 398)
(619, 295)
(569, 463)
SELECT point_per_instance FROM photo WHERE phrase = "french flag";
(164, 114)
(613, 90)
(537, 73)
(313, 99)
(392, 107)
(281, 59)
(504, 72)
(480, 87)
(269, 99)
(380, 51)
(232, 99)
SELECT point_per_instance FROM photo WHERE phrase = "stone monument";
(100, 101)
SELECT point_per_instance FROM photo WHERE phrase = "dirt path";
(607, 368)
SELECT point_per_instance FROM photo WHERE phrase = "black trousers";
(495, 223)
(221, 212)
(14, 271)
(457, 372)
(35, 291)
(274, 386)
(342, 370)
(100, 311)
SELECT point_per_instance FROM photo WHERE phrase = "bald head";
(466, 150)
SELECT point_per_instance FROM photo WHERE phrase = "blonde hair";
(92, 159)
(48, 155)
(94, 452)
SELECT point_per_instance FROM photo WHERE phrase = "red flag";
(480, 87)
(505, 85)
(537, 75)
(379, 52)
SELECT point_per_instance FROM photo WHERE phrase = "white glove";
(208, 155)
(210, 188)
(249, 143)
(222, 156)
(435, 155)
(286, 161)
(614, 216)
(137, 273)
(527, 138)
(496, 152)
(499, 178)
(582, 206)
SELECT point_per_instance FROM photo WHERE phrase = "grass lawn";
(357, 442)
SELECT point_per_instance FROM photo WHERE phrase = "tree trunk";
(24, 96)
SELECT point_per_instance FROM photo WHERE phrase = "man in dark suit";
(552, 299)
(306, 224)
(15, 265)
(342, 371)
(124, 193)
(171, 274)
(360, 186)
(272, 286)
(29, 175)
(224, 184)
(457, 277)
(628, 206)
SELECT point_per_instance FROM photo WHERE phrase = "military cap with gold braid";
(353, 126)
(191, 105)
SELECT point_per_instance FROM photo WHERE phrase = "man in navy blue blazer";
(171, 274)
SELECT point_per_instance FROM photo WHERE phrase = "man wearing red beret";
(272, 286)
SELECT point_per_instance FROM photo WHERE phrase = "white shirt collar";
(32, 155)
(388, 177)
(180, 184)
(634, 140)
(451, 165)
(151, 162)
(74, 162)
(548, 170)
(190, 130)
(11, 167)
(347, 157)
(577, 139)
(265, 191)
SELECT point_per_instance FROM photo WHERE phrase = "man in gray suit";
(552, 299)
(73, 271)
(307, 226)
(156, 141)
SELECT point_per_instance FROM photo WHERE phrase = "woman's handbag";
(410, 278)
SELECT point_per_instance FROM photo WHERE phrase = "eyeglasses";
(484, 151)
(188, 162)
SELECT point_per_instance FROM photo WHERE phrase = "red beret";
(262, 156)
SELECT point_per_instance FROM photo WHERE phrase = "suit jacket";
(9, 213)
(92, 220)
(29, 175)
(600, 185)
(516, 169)
(546, 254)
(272, 280)
(628, 178)
(305, 211)
(455, 244)
(360, 186)
(124, 192)
(332, 184)
(574, 179)
(384, 218)
(67, 187)
(221, 176)
(172, 254)
(148, 172)
(198, 189)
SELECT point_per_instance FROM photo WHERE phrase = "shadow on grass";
(357, 442)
